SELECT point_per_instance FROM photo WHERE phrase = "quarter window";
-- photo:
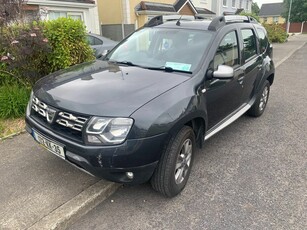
(224, 2)
(227, 52)
(249, 43)
(263, 40)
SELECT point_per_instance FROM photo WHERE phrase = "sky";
(260, 2)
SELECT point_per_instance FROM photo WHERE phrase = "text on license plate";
(49, 145)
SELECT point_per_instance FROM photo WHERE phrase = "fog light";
(129, 175)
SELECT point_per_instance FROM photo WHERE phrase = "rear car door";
(252, 62)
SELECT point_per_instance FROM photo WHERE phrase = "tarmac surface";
(252, 175)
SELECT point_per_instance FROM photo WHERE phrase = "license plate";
(49, 145)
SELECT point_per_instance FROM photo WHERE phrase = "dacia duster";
(138, 113)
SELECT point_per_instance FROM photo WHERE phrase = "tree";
(298, 10)
(10, 10)
(255, 8)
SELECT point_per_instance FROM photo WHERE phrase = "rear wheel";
(175, 164)
(258, 108)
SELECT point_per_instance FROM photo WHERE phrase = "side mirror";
(223, 72)
(102, 54)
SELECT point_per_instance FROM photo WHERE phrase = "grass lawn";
(10, 126)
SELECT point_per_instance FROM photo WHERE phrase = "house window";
(224, 2)
(63, 14)
(265, 19)
(246, 5)
(241, 4)
(275, 19)
(233, 3)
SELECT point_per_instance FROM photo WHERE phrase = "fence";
(296, 27)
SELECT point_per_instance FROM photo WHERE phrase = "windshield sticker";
(178, 66)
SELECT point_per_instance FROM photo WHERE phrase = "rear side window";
(94, 41)
(263, 40)
(249, 42)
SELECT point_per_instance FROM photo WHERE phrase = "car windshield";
(163, 49)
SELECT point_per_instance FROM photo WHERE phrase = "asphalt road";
(252, 175)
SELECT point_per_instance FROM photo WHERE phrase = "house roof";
(271, 9)
(154, 6)
(204, 11)
(78, 1)
(169, 8)
(180, 3)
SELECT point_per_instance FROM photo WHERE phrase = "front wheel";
(258, 107)
(175, 164)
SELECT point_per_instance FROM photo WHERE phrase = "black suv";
(138, 113)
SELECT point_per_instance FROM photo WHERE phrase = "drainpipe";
(122, 19)
(302, 26)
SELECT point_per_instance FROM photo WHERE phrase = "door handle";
(241, 78)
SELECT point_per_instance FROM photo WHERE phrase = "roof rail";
(158, 20)
(220, 21)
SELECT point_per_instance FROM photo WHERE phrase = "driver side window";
(227, 52)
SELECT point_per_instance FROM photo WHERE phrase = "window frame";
(233, 3)
(224, 1)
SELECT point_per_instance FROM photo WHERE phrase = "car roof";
(196, 22)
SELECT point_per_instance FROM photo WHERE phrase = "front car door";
(224, 95)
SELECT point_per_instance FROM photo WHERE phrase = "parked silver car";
(100, 43)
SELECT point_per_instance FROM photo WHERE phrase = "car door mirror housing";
(223, 72)
(102, 54)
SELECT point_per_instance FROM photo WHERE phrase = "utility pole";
(289, 15)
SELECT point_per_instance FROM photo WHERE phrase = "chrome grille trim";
(65, 119)
(67, 124)
(71, 117)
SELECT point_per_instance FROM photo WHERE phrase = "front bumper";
(139, 156)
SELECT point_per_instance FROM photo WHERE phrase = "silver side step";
(227, 122)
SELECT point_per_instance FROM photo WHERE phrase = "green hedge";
(29, 52)
(67, 37)
(276, 33)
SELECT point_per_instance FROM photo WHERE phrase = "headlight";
(101, 130)
(28, 111)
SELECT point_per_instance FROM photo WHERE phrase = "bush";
(24, 53)
(31, 51)
(13, 100)
(276, 33)
(67, 38)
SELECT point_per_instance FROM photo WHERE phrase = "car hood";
(104, 89)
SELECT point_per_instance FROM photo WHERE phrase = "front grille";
(62, 122)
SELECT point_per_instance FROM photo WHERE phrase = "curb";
(289, 55)
(12, 135)
(78, 206)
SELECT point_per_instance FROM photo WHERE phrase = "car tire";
(260, 104)
(173, 170)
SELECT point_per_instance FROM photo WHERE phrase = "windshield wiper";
(129, 63)
(168, 69)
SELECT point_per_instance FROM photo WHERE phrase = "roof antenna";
(178, 22)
